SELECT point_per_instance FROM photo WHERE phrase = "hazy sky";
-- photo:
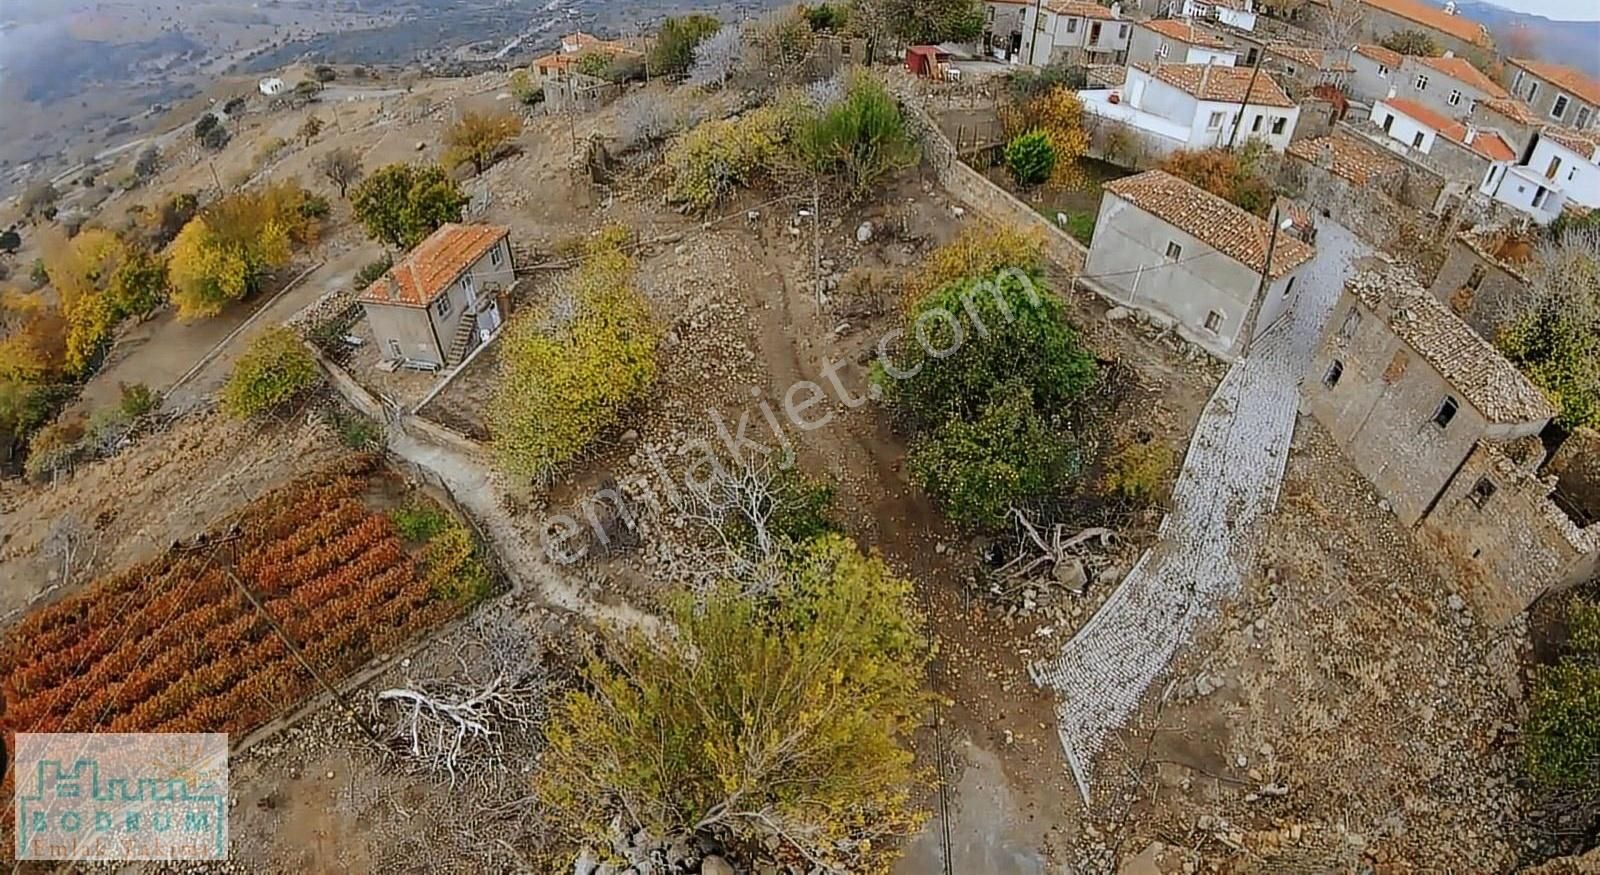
(1559, 10)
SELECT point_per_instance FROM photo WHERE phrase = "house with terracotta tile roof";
(1178, 41)
(1448, 433)
(1073, 31)
(1562, 167)
(1373, 71)
(1240, 14)
(1511, 117)
(571, 51)
(1197, 106)
(1556, 93)
(435, 305)
(1421, 128)
(1379, 18)
(1217, 273)
(1306, 67)
(1448, 85)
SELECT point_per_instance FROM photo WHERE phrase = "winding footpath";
(1228, 484)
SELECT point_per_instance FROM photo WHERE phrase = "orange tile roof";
(1220, 83)
(435, 263)
(1428, 15)
(1184, 31)
(1311, 57)
(1079, 9)
(1488, 144)
(1513, 109)
(1462, 71)
(1211, 220)
(1387, 57)
(1345, 157)
(1573, 81)
(1585, 143)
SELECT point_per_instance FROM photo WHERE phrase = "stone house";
(1471, 160)
(1352, 181)
(1197, 106)
(442, 299)
(1373, 72)
(1447, 85)
(1177, 41)
(1003, 23)
(1556, 93)
(1305, 67)
(1194, 260)
(1511, 117)
(571, 51)
(1447, 431)
(1379, 18)
(1073, 32)
(1481, 276)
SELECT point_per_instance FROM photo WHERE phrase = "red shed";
(926, 61)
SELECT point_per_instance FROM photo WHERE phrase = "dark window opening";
(1335, 371)
(1475, 278)
(1446, 412)
(1482, 490)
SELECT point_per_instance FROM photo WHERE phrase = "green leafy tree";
(148, 164)
(210, 131)
(325, 73)
(403, 203)
(673, 51)
(1030, 157)
(720, 155)
(273, 370)
(1551, 330)
(1411, 42)
(228, 251)
(935, 21)
(594, 63)
(10, 241)
(481, 137)
(826, 17)
(860, 139)
(954, 366)
(525, 89)
(565, 379)
(779, 719)
(139, 284)
(1007, 456)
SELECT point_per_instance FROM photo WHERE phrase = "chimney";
(393, 286)
(1449, 53)
(1116, 10)
(1325, 155)
(1472, 134)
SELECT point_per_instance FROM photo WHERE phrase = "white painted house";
(1562, 167)
(1197, 106)
(1178, 41)
(1073, 31)
(1240, 14)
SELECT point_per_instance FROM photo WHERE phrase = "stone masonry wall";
(1479, 307)
(1372, 215)
(1510, 544)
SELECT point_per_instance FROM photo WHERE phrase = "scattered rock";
(1071, 574)
(1117, 314)
(1456, 603)
(863, 232)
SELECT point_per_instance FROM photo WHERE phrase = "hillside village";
(971, 436)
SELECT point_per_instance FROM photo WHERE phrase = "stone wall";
(1476, 286)
(1126, 146)
(1508, 541)
(1576, 466)
(989, 200)
(1369, 211)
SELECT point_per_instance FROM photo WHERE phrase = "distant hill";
(1574, 43)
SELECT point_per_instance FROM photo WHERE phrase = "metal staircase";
(462, 343)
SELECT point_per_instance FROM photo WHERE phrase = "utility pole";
(1245, 100)
(816, 239)
(294, 648)
(1038, 23)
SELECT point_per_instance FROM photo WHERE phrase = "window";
(1455, 97)
(1416, 140)
(1214, 122)
(1352, 321)
(443, 306)
(1174, 251)
(1072, 25)
(1555, 165)
(1533, 89)
(1335, 371)
(1122, 32)
(1094, 32)
(494, 255)
(1288, 287)
(1422, 82)
(1517, 82)
(1383, 72)
(1538, 197)
(1482, 491)
(1213, 322)
(1559, 108)
(1446, 412)
(1475, 278)
(394, 349)
(1278, 124)
(1255, 126)
(1583, 117)
(1163, 49)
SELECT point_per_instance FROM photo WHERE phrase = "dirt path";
(473, 486)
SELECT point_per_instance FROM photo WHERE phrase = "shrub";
(977, 471)
(861, 139)
(1563, 726)
(1583, 629)
(1411, 42)
(798, 706)
(1231, 176)
(136, 399)
(981, 249)
(358, 432)
(1030, 157)
(673, 51)
(1024, 336)
(274, 369)
(720, 155)
(455, 571)
(1027, 83)
(562, 384)
(373, 271)
(420, 521)
(1139, 471)
(803, 506)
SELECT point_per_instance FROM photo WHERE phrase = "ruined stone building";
(1448, 432)
(1482, 277)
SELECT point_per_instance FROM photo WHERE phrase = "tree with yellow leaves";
(227, 251)
(567, 370)
(81, 270)
(481, 137)
(1058, 112)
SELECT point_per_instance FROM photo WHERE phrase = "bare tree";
(647, 117)
(342, 167)
(735, 508)
(717, 57)
(73, 544)
(1341, 22)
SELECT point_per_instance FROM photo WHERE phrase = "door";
(488, 321)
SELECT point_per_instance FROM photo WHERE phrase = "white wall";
(1577, 177)
(1220, 57)
(1519, 187)
(1159, 98)
(1403, 128)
